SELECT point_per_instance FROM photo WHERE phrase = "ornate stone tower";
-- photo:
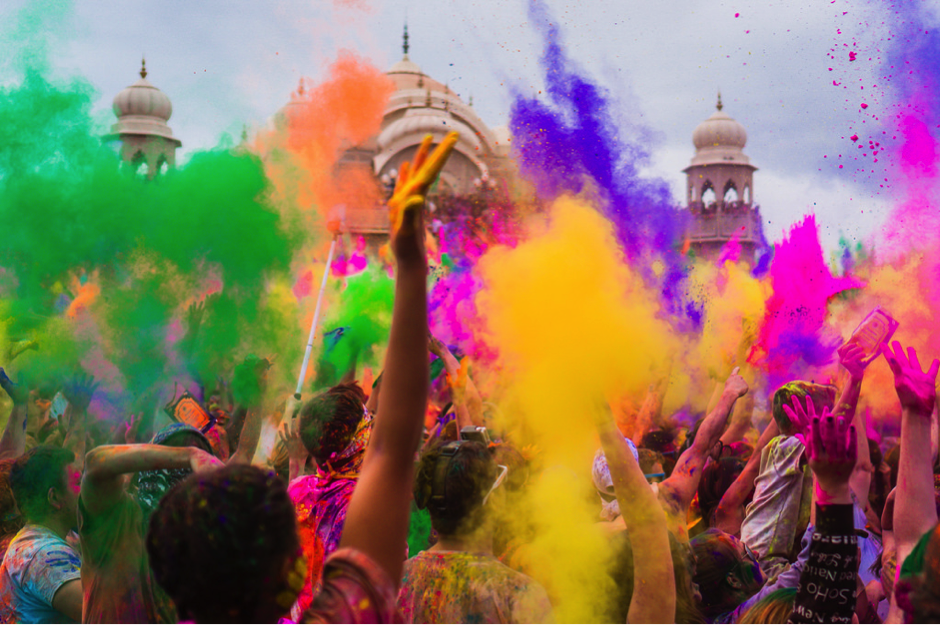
(720, 191)
(147, 143)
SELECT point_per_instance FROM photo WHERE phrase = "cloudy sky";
(783, 67)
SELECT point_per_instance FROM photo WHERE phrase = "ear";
(54, 497)
(734, 581)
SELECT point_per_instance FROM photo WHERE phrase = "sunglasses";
(748, 552)
(654, 478)
(496, 482)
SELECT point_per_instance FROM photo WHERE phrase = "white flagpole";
(313, 323)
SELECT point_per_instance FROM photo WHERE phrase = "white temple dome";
(143, 110)
(405, 66)
(143, 99)
(719, 139)
(719, 130)
(418, 122)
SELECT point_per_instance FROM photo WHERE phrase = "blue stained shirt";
(37, 563)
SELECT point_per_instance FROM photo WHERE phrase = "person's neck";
(478, 542)
(54, 524)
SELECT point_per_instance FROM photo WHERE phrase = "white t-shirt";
(771, 519)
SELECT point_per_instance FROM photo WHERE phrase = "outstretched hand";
(916, 389)
(194, 316)
(19, 393)
(290, 434)
(802, 419)
(405, 205)
(831, 455)
(851, 357)
(79, 390)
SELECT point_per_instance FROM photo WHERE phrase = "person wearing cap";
(116, 575)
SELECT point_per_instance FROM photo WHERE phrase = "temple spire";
(719, 102)
(143, 67)
(405, 40)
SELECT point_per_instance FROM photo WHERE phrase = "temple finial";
(405, 40)
(143, 67)
(719, 102)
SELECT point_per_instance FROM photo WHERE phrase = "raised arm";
(833, 563)
(467, 403)
(915, 511)
(654, 598)
(377, 517)
(105, 467)
(290, 434)
(248, 384)
(740, 423)
(78, 391)
(677, 491)
(851, 356)
(730, 512)
(13, 441)
(651, 408)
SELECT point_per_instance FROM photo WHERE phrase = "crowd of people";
(815, 522)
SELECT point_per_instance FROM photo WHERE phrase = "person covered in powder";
(40, 578)
(334, 427)
(359, 579)
(676, 492)
(458, 580)
(780, 507)
(116, 575)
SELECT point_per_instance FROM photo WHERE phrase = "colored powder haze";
(582, 294)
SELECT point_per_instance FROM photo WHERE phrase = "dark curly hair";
(470, 475)
(329, 420)
(218, 543)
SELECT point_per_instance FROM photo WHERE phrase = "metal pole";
(313, 323)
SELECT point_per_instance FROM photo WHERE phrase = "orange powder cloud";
(303, 153)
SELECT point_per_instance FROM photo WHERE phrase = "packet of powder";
(877, 328)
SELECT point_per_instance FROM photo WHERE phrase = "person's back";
(116, 576)
(460, 587)
(37, 563)
(335, 429)
(458, 580)
(40, 574)
(773, 516)
(780, 507)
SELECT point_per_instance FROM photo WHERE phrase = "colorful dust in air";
(793, 335)
(572, 144)
(357, 327)
(900, 264)
(573, 324)
(312, 131)
(116, 258)
(146, 282)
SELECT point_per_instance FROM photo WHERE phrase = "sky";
(783, 68)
